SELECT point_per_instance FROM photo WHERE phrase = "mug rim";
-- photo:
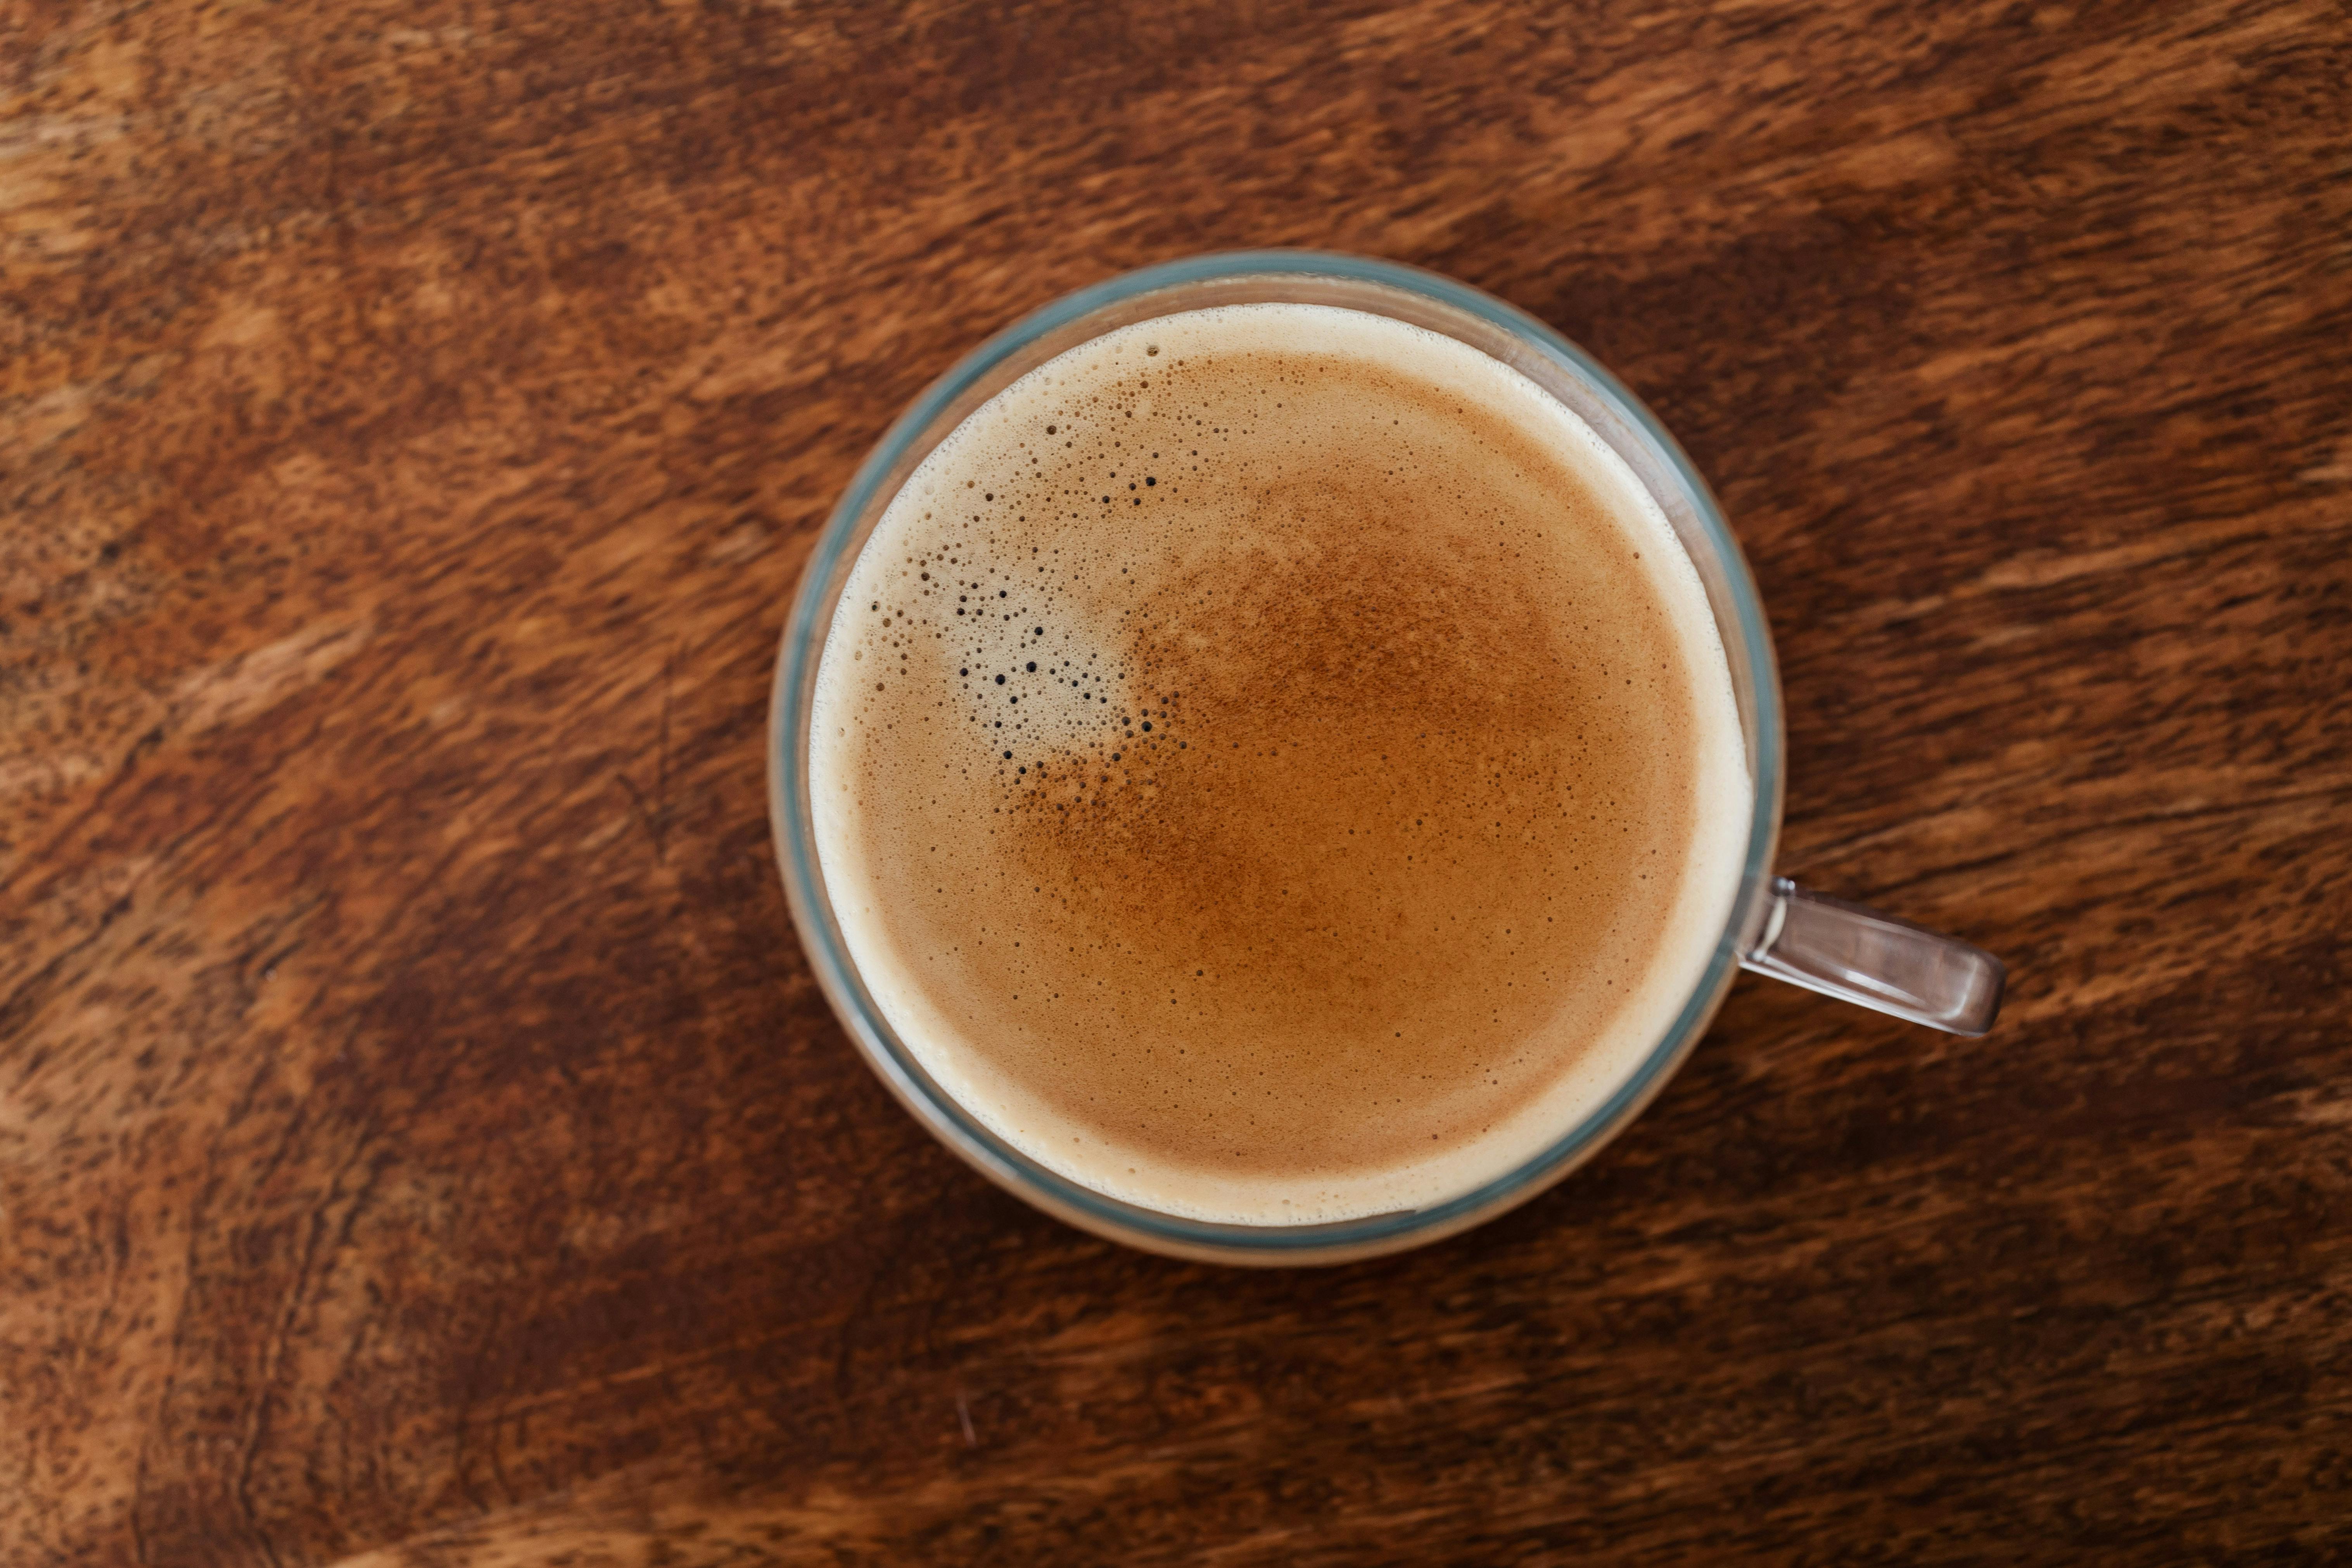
(802, 645)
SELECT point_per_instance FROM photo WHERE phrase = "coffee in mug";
(1274, 763)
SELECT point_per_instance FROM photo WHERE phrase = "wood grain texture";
(421, 1142)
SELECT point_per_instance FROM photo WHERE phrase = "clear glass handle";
(1845, 950)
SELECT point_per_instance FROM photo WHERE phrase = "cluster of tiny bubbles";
(989, 575)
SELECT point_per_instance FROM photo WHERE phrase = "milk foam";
(1276, 765)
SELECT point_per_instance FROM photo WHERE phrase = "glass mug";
(1775, 927)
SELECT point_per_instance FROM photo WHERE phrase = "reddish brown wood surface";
(420, 1140)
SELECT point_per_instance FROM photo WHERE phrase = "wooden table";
(420, 1140)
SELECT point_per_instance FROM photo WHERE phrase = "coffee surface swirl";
(1274, 764)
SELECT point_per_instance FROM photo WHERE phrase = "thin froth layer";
(1273, 763)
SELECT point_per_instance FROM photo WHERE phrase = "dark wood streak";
(420, 1141)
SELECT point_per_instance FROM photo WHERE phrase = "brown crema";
(1273, 763)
